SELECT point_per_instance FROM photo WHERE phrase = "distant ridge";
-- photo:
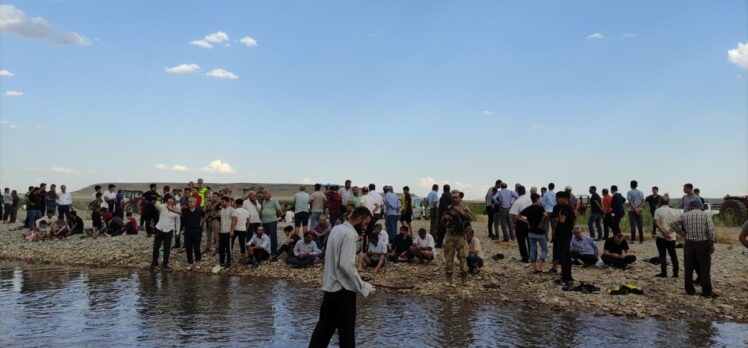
(280, 191)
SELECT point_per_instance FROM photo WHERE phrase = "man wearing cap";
(689, 196)
(697, 229)
(457, 220)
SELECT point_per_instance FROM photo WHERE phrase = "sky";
(391, 92)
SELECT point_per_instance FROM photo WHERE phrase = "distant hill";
(283, 192)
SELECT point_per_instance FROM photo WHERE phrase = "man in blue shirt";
(583, 248)
(503, 200)
(549, 201)
(433, 201)
(636, 203)
(392, 205)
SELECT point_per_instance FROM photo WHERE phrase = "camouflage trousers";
(454, 243)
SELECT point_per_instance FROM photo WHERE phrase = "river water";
(48, 305)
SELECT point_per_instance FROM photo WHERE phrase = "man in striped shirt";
(697, 229)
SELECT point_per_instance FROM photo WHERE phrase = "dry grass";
(727, 235)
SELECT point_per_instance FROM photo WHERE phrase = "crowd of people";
(203, 221)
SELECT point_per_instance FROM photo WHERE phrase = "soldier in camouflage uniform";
(457, 220)
(213, 221)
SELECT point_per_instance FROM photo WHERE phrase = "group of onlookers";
(533, 220)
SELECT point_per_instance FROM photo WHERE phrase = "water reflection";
(44, 305)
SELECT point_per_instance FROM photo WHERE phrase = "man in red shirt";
(607, 210)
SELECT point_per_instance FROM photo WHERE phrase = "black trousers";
(696, 257)
(338, 311)
(165, 239)
(615, 224)
(619, 263)
(607, 221)
(64, 211)
(586, 259)
(522, 241)
(242, 235)
(224, 251)
(564, 255)
(665, 247)
(489, 212)
(441, 231)
(192, 241)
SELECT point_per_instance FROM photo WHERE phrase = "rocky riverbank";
(501, 281)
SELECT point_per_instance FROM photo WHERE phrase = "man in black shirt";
(596, 215)
(536, 217)
(615, 252)
(192, 220)
(75, 223)
(563, 218)
(401, 248)
(444, 202)
(653, 201)
(616, 205)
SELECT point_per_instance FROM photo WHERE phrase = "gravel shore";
(504, 281)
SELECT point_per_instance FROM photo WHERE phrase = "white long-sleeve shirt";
(167, 220)
(340, 262)
(64, 198)
(263, 242)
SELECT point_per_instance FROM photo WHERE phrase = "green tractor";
(734, 210)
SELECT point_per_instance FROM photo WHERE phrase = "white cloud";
(61, 170)
(6, 123)
(5, 73)
(12, 126)
(307, 181)
(12, 93)
(738, 76)
(630, 35)
(249, 41)
(222, 74)
(487, 113)
(72, 39)
(210, 39)
(739, 55)
(595, 36)
(183, 69)
(201, 43)
(14, 21)
(217, 37)
(538, 126)
(176, 167)
(38, 125)
(219, 166)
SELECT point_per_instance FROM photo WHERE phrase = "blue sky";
(391, 92)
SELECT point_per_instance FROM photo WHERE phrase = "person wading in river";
(341, 282)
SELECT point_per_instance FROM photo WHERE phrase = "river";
(49, 305)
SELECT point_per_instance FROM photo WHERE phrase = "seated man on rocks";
(375, 254)
(305, 252)
(583, 248)
(44, 226)
(292, 237)
(60, 229)
(615, 252)
(75, 223)
(258, 248)
(401, 248)
(423, 246)
(475, 252)
(320, 231)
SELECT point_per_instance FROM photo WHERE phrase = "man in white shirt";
(110, 197)
(301, 209)
(341, 282)
(258, 247)
(254, 208)
(304, 252)
(64, 202)
(423, 246)
(665, 216)
(225, 232)
(522, 229)
(240, 226)
(168, 222)
(345, 192)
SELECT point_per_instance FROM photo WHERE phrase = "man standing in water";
(341, 282)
